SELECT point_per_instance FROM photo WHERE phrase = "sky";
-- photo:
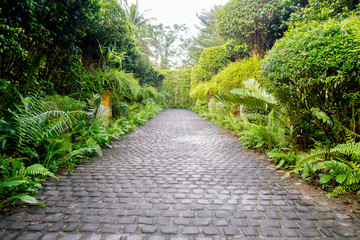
(170, 12)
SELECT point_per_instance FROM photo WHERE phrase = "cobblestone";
(178, 177)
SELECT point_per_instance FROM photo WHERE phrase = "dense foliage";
(254, 23)
(214, 59)
(177, 84)
(228, 78)
(312, 70)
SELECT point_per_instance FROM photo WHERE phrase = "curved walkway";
(178, 177)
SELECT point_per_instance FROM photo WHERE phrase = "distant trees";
(254, 23)
(207, 36)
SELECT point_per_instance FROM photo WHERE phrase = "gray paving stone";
(93, 237)
(148, 229)
(29, 236)
(201, 222)
(110, 228)
(156, 238)
(190, 231)
(181, 222)
(169, 230)
(71, 237)
(211, 231)
(270, 232)
(70, 227)
(89, 227)
(130, 228)
(250, 231)
(37, 227)
(231, 231)
(220, 222)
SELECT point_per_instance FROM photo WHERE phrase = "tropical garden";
(281, 75)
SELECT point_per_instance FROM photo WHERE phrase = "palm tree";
(135, 17)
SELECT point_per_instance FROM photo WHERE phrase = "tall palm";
(135, 17)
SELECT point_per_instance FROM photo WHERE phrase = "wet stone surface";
(177, 177)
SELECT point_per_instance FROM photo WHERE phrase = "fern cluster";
(337, 167)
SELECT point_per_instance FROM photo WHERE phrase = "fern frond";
(312, 155)
(253, 85)
(321, 115)
(38, 169)
(253, 96)
(350, 149)
(341, 190)
(84, 152)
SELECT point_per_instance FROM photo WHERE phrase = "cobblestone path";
(178, 177)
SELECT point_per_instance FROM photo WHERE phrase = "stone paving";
(178, 177)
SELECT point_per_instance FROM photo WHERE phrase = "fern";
(39, 120)
(38, 169)
(316, 154)
(350, 149)
(320, 115)
(253, 96)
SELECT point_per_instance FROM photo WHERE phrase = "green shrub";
(199, 75)
(66, 103)
(204, 91)
(235, 73)
(214, 59)
(177, 85)
(315, 72)
(124, 85)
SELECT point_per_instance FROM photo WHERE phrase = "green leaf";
(11, 184)
(324, 178)
(341, 178)
(28, 199)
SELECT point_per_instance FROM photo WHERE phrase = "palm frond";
(253, 96)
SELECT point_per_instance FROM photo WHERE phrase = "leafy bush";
(204, 91)
(199, 75)
(177, 85)
(313, 71)
(124, 86)
(236, 73)
(214, 59)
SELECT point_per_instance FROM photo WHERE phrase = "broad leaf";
(28, 199)
(324, 178)
(341, 178)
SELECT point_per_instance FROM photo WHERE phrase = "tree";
(322, 10)
(207, 36)
(39, 42)
(134, 16)
(256, 23)
(160, 43)
(109, 40)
